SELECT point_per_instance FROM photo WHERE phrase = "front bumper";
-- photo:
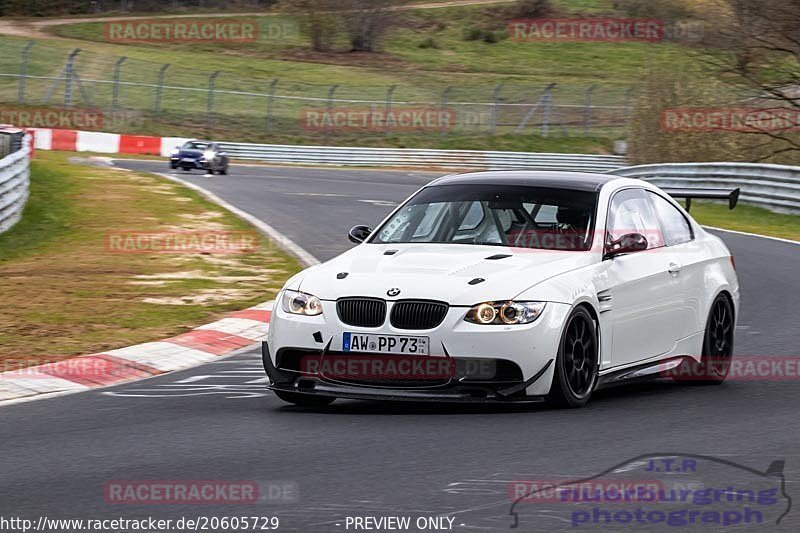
(523, 357)
(453, 392)
(200, 164)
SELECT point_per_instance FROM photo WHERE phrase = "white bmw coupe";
(511, 287)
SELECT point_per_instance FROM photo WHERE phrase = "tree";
(365, 22)
(757, 52)
(319, 19)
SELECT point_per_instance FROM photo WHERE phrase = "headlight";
(175, 151)
(505, 312)
(300, 303)
(208, 154)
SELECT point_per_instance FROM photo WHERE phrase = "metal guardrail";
(406, 157)
(776, 187)
(14, 185)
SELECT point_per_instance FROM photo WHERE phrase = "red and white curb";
(106, 143)
(238, 330)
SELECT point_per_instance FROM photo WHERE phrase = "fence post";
(445, 95)
(331, 91)
(389, 94)
(69, 75)
(271, 103)
(547, 109)
(587, 110)
(160, 87)
(212, 80)
(495, 103)
(115, 90)
(23, 71)
(529, 115)
(628, 105)
(330, 105)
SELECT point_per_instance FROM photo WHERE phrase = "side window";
(676, 228)
(631, 212)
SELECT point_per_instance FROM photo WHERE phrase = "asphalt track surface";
(217, 422)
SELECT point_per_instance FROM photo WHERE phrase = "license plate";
(392, 344)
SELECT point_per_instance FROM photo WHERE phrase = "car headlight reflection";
(208, 154)
(507, 313)
(300, 303)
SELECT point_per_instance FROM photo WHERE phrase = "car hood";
(437, 272)
(191, 153)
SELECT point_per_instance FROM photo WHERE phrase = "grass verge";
(747, 218)
(425, 52)
(67, 289)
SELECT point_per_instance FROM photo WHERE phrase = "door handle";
(675, 268)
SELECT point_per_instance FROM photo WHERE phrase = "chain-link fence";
(183, 98)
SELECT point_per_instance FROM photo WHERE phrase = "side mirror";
(358, 234)
(628, 243)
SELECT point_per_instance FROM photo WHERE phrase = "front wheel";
(576, 364)
(304, 400)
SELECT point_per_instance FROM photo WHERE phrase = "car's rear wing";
(731, 195)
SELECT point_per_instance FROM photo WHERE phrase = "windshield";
(497, 215)
(195, 145)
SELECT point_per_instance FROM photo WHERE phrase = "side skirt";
(650, 370)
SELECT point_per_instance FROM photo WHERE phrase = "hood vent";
(497, 256)
(476, 281)
(390, 252)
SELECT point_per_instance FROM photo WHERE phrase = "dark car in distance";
(203, 155)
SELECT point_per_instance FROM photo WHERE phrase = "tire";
(186, 169)
(304, 400)
(224, 171)
(577, 361)
(715, 361)
(173, 166)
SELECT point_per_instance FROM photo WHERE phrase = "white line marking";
(779, 239)
(326, 194)
(288, 244)
(379, 203)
